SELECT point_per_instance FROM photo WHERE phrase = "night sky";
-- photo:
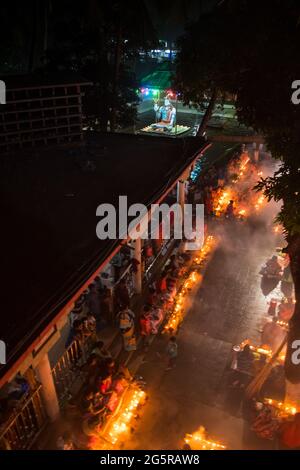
(170, 17)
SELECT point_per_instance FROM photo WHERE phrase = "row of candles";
(120, 426)
(177, 314)
(199, 441)
(284, 408)
(228, 193)
(266, 351)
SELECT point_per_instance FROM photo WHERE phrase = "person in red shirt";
(161, 284)
(146, 326)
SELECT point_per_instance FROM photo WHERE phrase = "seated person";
(86, 400)
(273, 268)
(286, 310)
(245, 359)
(18, 388)
(107, 367)
(272, 335)
(91, 368)
(106, 372)
(165, 116)
(105, 384)
(119, 383)
(92, 402)
(265, 424)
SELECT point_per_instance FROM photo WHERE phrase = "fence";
(67, 371)
(25, 424)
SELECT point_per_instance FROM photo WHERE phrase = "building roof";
(49, 200)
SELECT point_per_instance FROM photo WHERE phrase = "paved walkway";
(227, 308)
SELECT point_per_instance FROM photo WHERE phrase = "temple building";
(51, 255)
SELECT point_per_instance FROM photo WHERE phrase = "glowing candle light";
(120, 427)
(199, 441)
(177, 314)
(285, 408)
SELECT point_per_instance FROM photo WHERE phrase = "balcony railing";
(67, 371)
(25, 424)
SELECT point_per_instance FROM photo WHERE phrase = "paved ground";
(227, 308)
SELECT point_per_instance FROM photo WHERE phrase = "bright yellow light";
(284, 408)
(266, 351)
(199, 441)
(178, 312)
(119, 428)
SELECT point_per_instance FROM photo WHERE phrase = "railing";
(67, 371)
(25, 424)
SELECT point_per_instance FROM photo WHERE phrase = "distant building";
(52, 256)
(165, 51)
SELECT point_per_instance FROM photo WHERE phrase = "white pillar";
(181, 201)
(44, 374)
(138, 274)
(181, 193)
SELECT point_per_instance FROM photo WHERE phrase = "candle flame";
(199, 441)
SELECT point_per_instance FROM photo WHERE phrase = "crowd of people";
(158, 300)
(88, 411)
(103, 376)
(226, 190)
(104, 379)
(204, 189)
